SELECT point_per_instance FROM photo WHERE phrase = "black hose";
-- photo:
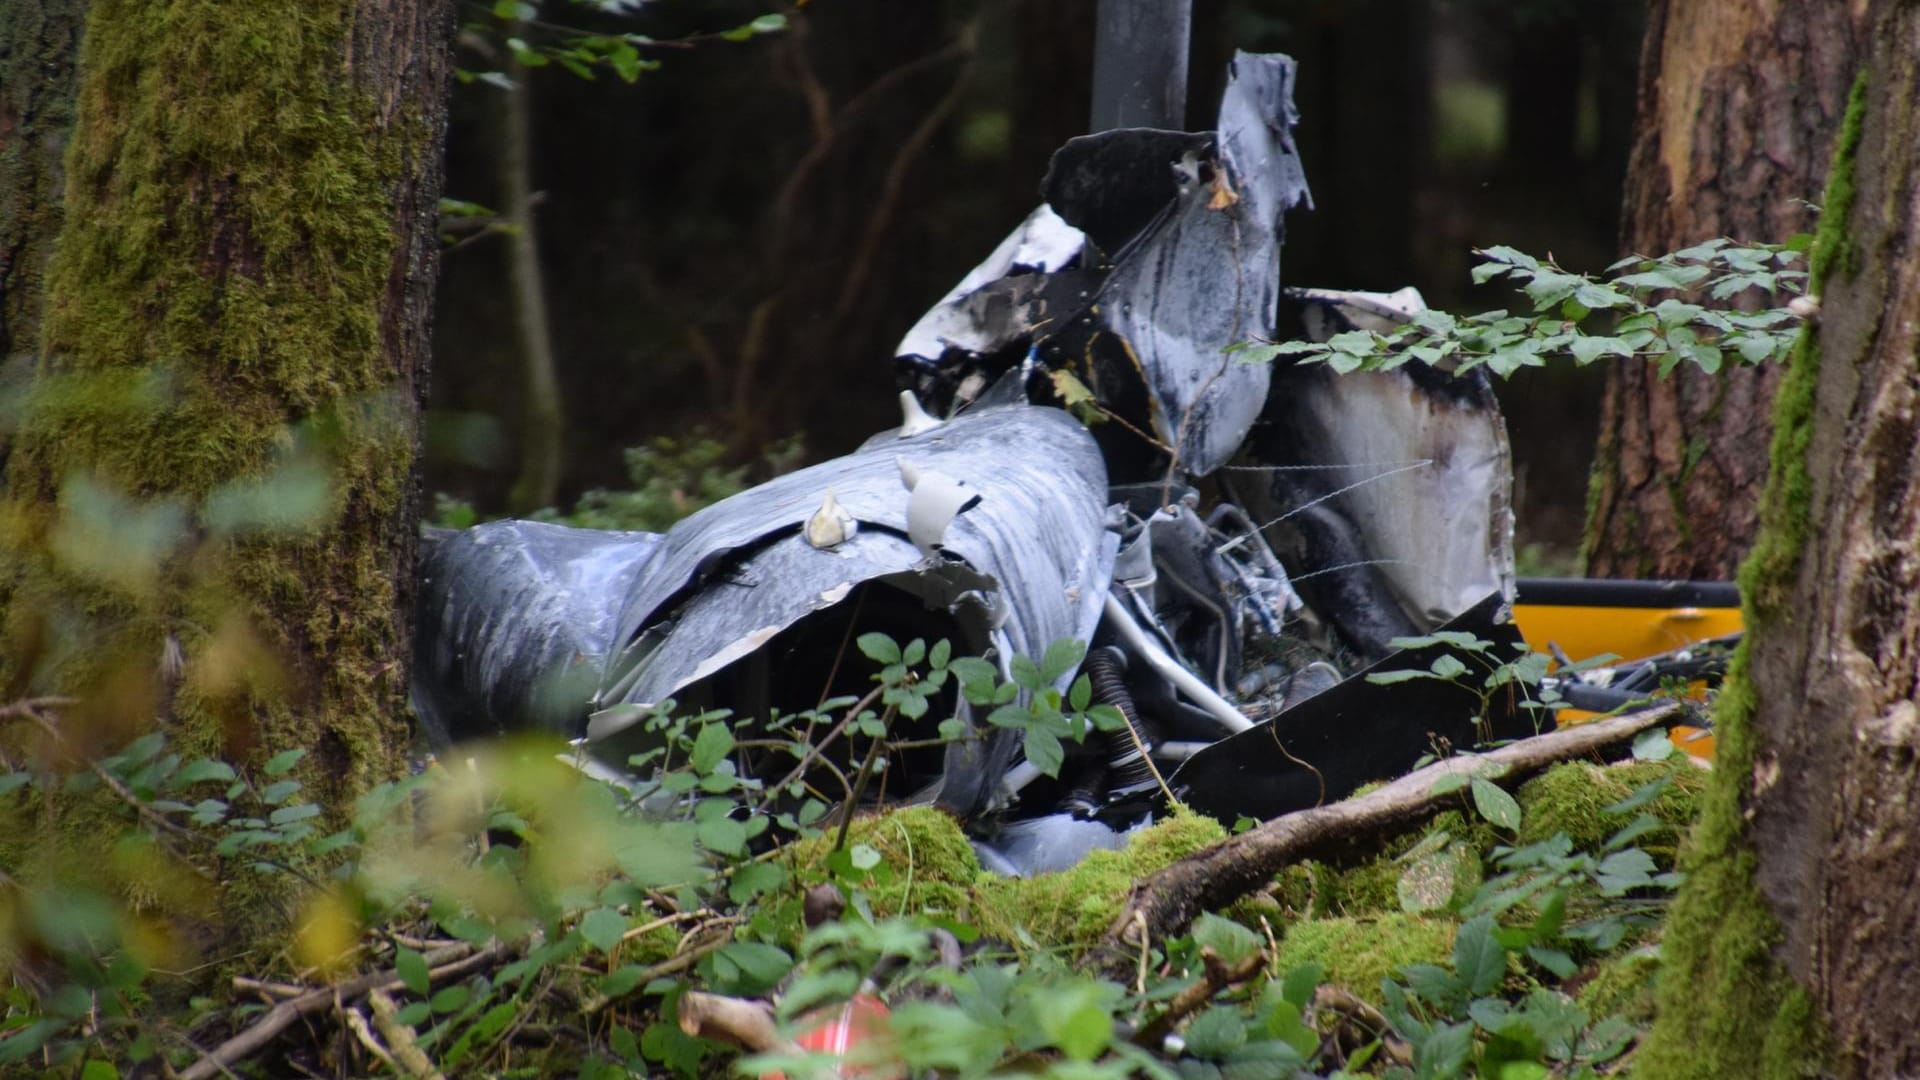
(1086, 788)
(1129, 771)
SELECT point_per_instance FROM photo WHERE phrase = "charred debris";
(1082, 456)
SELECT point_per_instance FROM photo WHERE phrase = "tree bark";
(1739, 103)
(1795, 943)
(38, 42)
(210, 500)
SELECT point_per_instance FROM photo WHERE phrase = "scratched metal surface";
(512, 624)
(736, 571)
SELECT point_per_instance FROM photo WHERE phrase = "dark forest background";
(735, 242)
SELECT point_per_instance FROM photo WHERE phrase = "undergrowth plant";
(504, 880)
(1672, 309)
(519, 916)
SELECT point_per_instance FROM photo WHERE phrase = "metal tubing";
(1183, 680)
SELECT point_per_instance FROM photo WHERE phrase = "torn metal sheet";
(1180, 261)
(512, 624)
(1029, 524)
(1386, 491)
(1320, 750)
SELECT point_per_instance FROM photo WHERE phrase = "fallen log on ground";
(1166, 901)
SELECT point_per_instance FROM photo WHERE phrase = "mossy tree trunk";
(210, 497)
(1739, 103)
(1794, 946)
(38, 43)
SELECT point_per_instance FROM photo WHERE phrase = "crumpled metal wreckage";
(1239, 543)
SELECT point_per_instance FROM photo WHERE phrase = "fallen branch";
(735, 1021)
(1167, 900)
(453, 960)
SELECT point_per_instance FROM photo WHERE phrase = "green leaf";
(1624, 870)
(1586, 348)
(1553, 960)
(977, 678)
(864, 856)
(1107, 718)
(1596, 297)
(1044, 750)
(722, 835)
(1216, 1033)
(757, 965)
(449, 998)
(879, 648)
(1300, 983)
(1284, 1023)
(754, 879)
(1550, 287)
(413, 1014)
(204, 769)
(287, 815)
(622, 980)
(1479, 960)
(412, 969)
(626, 62)
(915, 652)
(1081, 693)
(603, 928)
(710, 747)
(99, 1070)
(1388, 678)
(680, 1052)
(1495, 804)
(1233, 942)
(1652, 745)
(1061, 657)
(1448, 666)
(282, 762)
(1448, 784)
(1027, 675)
(279, 791)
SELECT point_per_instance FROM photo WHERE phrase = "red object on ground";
(838, 1031)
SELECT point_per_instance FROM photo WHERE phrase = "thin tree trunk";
(210, 501)
(1739, 103)
(1795, 944)
(544, 417)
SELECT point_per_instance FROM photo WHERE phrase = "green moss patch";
(1075, 907)
(1358, 952)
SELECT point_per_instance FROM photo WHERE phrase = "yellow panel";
(1631, 633)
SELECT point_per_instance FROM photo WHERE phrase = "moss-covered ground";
(1348, 918)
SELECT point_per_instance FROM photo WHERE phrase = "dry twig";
(452, 961)
(1215, 976)
(401, 1037)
